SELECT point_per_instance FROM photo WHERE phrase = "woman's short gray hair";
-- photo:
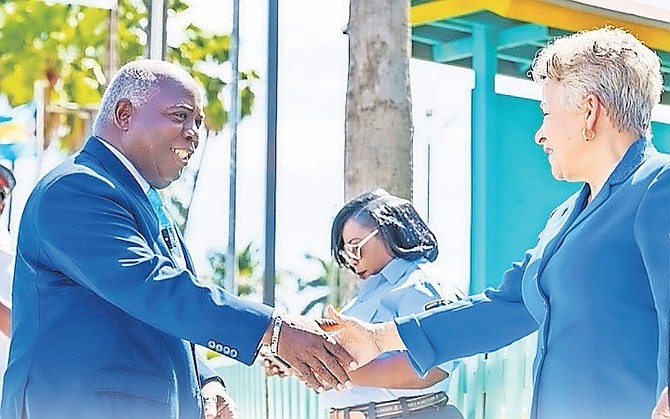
(611, 64)
(137, 82)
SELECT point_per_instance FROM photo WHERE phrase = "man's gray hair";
(611, 64)
(137, 82)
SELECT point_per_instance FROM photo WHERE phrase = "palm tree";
(326, 284)
(378, 124)
(249, 281)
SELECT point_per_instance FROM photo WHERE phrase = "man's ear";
(123, 112)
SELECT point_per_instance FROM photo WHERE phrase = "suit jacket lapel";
(588, 209)
(113, 166)
(636, 154)
(119, 172)
(569, 214)
(184, 251)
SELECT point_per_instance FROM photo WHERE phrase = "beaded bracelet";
(274, 340)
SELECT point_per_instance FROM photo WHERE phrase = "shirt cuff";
(214, 378)
(419, 348)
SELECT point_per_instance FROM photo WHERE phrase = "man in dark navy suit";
(106, 303)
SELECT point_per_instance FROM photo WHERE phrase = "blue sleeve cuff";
(420, 351)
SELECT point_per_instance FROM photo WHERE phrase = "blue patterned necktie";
(168, 230)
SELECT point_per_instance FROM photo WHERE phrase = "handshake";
(321, 352)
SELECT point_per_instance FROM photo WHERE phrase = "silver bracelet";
(274, 340)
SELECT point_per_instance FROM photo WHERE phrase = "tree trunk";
(378, 124)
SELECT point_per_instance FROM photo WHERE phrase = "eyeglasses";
(352, 252)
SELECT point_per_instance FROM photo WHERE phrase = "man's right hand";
(318, 358)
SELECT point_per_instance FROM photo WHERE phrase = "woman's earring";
(588, 135)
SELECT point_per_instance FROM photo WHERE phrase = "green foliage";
(323, 282)
(178, 210)
(250, 280)
(68, 46)
(202, 54)
(247, 277)
(177, 6)
(41, 41)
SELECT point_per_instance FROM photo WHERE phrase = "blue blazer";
(102, 319)
(596, 287)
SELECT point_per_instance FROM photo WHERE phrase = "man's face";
(162, 134)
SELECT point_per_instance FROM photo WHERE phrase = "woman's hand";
(662, 409)
(364, 341)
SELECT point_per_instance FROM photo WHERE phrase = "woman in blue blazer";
(596, 286)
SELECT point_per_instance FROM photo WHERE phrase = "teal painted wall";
(661, 136)
(521, 192)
